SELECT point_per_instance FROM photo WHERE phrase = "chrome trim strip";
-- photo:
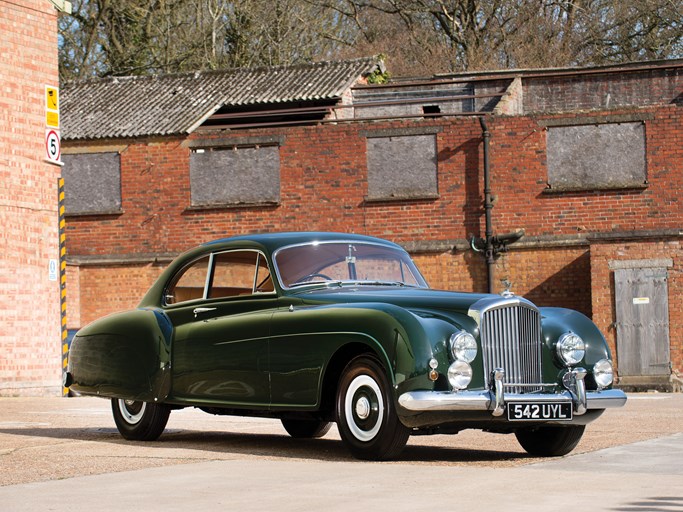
(446, 401)
(482, 306)
(422, 401)
(522, 385)
(605, 399)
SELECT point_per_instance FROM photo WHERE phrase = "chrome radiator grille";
(511, 339)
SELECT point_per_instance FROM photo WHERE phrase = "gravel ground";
(55, 438)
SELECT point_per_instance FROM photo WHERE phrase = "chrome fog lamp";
(603, 373)
(571, 348)
(463, 346)
(459, 375)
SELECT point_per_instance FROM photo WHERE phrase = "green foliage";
(378, 77)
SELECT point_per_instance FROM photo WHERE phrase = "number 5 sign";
(52, 146)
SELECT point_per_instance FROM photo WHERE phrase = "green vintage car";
(315, 328)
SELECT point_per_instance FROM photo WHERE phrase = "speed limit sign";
(52, 145)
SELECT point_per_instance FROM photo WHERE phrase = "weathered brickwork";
(106, 289)
(323, 186)
(602, 90)
(30, 342)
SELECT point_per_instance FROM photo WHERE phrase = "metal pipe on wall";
(488, 206)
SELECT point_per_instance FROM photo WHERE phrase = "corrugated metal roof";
(174, 104)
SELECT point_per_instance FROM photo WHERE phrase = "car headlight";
(459, 375)
(463, 346)
(571, 348)
(603, 373)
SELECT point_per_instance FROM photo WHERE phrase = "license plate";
(523, 411)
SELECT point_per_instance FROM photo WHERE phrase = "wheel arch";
(334, 369)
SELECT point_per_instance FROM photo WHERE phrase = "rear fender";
(125, 355)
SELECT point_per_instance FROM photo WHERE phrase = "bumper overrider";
(496, 400)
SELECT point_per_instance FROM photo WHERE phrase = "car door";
(302, 340)
(221, 306)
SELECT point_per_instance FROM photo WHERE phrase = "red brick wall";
(520, 174)
(559, 277)
(73, 278)
(324, 185)
(107, 289)
(30, 342)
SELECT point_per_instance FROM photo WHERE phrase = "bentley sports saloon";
(317, 328)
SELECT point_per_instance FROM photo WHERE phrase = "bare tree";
(492, 34)
(418, 37)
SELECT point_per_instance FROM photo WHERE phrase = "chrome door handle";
(197, 311)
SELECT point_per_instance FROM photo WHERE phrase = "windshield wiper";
(353, 282)
(372, 282)
(309, 283)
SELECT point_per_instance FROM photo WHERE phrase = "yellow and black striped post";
(62, 280)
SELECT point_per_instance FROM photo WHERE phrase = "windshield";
(342, 262)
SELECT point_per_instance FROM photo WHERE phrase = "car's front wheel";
(366, 416)
(550, 441)
(139, 421)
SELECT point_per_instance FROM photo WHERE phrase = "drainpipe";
(488, 206)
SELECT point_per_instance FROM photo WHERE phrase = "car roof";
(273, 241)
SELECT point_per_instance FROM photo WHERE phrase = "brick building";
(589, 162)
(30, 339)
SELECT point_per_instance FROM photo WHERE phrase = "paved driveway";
(64, 454)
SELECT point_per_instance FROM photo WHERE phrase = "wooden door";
(642, 308)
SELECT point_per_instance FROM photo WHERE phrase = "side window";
(232, 274)
(239, 273)
(264, 281)
(189, 283)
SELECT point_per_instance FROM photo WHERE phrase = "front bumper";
(496, 399)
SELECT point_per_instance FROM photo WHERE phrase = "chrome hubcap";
(363, 408)
(132, 411)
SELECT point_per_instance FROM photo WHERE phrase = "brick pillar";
(30, 344)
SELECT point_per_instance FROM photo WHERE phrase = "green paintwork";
(283, 351)
(124, 355)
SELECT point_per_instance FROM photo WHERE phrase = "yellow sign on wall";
(52, 106)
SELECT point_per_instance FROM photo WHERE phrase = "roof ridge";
(176, 103)
(225, 71)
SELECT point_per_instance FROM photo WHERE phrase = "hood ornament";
(507, 284)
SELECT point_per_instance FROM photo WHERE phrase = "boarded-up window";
(601, 156)
(402, 167)
(92, 183)
(234, 176)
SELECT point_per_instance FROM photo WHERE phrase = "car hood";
(409, 298)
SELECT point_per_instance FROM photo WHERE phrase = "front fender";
(557, 321)
(124, 355)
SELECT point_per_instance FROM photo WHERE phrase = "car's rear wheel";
(139, 421)
(366, 416)
(306, 429)
(550, 441)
